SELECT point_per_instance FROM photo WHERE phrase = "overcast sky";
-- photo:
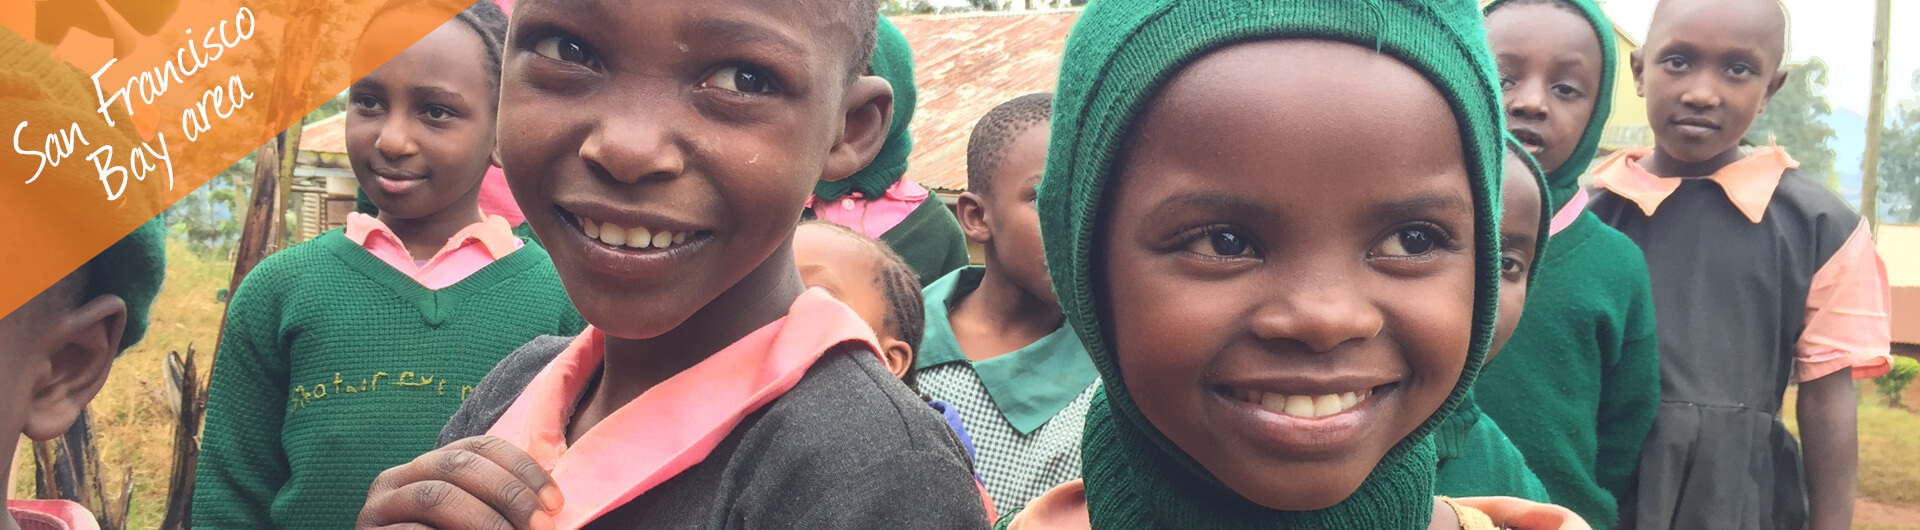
(1840, 32)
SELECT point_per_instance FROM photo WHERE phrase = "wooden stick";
(1876, 117)
(186, 442)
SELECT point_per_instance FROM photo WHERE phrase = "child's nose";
(1701, 95)
(1319, 315)
(632, 148)
(1527, 101)
(396, 138)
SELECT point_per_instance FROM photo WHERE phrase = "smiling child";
(1286, 281)
(663, 152)
(1761, 278)
(1577, 388)
(343, 356)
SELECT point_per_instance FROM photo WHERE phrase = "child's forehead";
(1759, 26)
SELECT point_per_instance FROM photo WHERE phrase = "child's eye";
(563, 49)
(1740, 70)
(1513, 267)
(1506, 83)
(1408, 242)
(438, 112)
(1674, 63)
(1566, 91)
(1219, 243)
(366, 102)
(739, 79)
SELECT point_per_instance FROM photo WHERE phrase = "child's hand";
(477, 483)
(1522, 514)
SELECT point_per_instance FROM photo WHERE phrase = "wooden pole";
(1876, 117)
(254, 244)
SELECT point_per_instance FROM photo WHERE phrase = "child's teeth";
(662, 238)
(1327, 405)
(1301, 406)
(591, 228)
(1273, 402)
(1305, 406)
(613, 234)
(639, 237)
(679, 237)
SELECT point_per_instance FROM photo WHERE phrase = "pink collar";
(1749, 183)
(677, 423)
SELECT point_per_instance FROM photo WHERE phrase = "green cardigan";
(1577, 385)
(334, 366)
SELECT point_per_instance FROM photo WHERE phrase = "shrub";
(1895, 382)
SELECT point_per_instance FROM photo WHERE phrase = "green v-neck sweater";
(334, 366)
(1577, 385)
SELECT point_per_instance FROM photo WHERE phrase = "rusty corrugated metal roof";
(325, 136)
(966, 64)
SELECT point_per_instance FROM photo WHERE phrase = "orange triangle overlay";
(214, 81)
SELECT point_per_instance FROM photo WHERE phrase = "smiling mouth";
(635, 238)
(1302, 406)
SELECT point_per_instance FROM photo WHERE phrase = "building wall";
(1627, 126)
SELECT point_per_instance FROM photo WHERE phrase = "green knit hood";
(1120, 53)
(1563, 182)
(38, 91)
(893, 61)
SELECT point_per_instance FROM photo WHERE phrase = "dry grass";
(1889, 458)
(132, 422)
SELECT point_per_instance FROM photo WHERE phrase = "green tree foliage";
(1900, 162)
(1794, 119)
(1894, 383)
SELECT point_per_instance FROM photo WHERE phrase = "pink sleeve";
(1849, 312)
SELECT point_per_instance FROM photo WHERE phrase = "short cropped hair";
(862, 17)
(996, 131)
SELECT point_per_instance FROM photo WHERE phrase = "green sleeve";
(242, 466)
(1630, 388)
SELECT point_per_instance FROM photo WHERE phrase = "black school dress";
(1730, 294)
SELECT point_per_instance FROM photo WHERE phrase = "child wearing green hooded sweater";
(1476, 457)
(879, 201)
(1578, 389)
(1285, 281)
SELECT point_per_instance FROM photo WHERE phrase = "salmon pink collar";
(1749, 183)
(675, 424)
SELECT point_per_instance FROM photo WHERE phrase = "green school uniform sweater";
(1477, 460)
(334, 366)
(1577, 385)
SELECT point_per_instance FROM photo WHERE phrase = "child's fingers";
(529, 473)
(1510, 512)
(441, 505)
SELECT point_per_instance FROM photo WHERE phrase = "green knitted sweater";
(334, 366)
(1576, 386)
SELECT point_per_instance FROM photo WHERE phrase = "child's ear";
(869, 113)
(1633, 61)
(898, 354)
(972, 213)
(83, 342)
(1773, 86)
